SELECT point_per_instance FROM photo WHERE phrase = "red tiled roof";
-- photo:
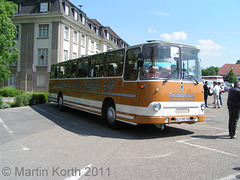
(96, 22)
(225, 69)
(112, 32)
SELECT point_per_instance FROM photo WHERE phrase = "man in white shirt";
(216, 91)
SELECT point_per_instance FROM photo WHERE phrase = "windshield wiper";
(191, 77)
(168, 77)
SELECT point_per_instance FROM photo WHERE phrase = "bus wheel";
(60, 102)
(110, 117)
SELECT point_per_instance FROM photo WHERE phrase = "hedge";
(1, 102)
(10, 92)
(30, 99)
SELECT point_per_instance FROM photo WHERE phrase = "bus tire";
(110, 116)
(60, 102)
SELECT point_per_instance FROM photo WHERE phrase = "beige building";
(51, 31)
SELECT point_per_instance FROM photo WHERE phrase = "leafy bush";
(31, 99)
(1, 102)
(10, 92)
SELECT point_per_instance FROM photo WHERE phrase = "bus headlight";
(203, 106)
(156, 106)
(196, 119)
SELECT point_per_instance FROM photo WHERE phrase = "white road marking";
(204, 147)
(234, 176)
(159, 156)
(82, 172)
(12, 135)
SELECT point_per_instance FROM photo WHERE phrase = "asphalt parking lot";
(40, 142)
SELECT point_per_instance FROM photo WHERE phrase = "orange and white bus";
(152, 83)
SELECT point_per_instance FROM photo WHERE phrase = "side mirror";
(140, 60)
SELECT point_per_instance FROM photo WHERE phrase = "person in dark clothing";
(233, 104)
(206, 92)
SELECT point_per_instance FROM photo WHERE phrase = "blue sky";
(211, 25)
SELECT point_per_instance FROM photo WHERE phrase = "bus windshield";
(163, 61)
(191, 68)
(160, 61)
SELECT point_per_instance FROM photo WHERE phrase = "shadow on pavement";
(211, 137)
(86, 124)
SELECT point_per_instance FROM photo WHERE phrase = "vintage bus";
(152, 83)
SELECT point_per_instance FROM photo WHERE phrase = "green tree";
(211, 71)
(231, 77)
(8, 54)
(238, 62)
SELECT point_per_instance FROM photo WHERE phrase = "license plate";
(182, 119)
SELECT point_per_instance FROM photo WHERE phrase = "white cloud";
(161, 13)
(174, 36)
(208, 45)
(209, 48)
(151, 31)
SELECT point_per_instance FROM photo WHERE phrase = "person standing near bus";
(216, 91)
(233, 103)
(206, 92)
(220, 93)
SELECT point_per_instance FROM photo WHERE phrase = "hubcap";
(60, 102)
(111, 115)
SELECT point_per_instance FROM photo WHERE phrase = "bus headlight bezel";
(156, 106)
(203, 107)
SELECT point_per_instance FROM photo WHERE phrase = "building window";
(97, 46)
(12, 80)
(66, 33)
(17, 9)
(41, 81)
(43, 31)
(17, 29)
(44, 7)
(15, 63)
(74, 56)
(75, 15)
(75, 37)
(42, 57)
(92, 46)
(83, 40)
(83, 20)
(65, 55)
(67, 10)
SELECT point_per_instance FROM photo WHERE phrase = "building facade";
(51, 31)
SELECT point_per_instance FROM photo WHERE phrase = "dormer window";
(67, 10)
(44, 7)
(75, 15)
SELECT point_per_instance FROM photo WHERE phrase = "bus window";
(82, 67)
(63, 70)
(56, 73)
(131, 72)
(52, 73)
(114, 63)
(190, 63)
(96, 66)
(71, 69)
(160, 61)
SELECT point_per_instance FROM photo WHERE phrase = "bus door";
(130, 84)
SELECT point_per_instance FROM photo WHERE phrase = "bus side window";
(71, 69)
(52, 74)
(63, 70)
(131, 72)
(114, 63)
(82, 67)
(56, 74)
(96, 66)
